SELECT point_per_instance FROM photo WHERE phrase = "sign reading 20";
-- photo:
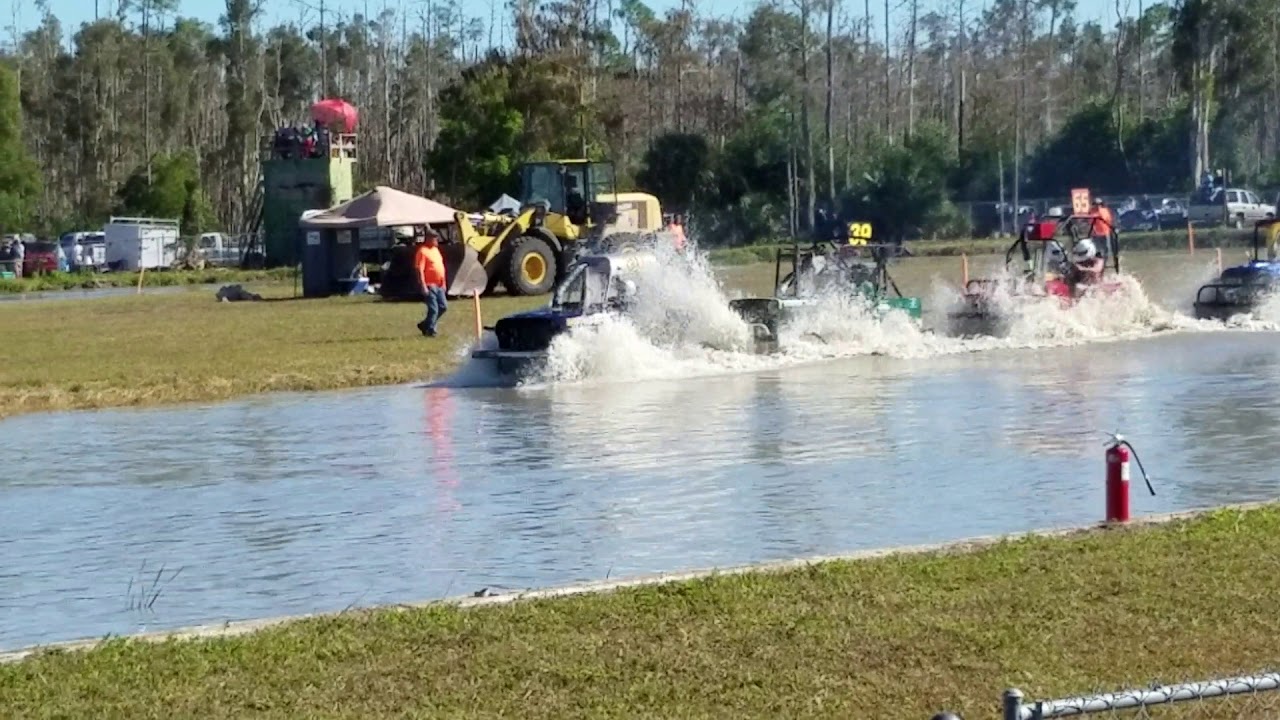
(859, 233)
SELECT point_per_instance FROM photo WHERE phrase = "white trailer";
(136, 243)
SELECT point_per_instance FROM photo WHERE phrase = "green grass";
(163, 278)
(897, 637)
(145, 350)
(1164, 240)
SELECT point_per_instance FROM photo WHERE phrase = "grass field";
(898, 637)
(142, 350)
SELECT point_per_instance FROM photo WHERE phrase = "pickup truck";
(1236, 207)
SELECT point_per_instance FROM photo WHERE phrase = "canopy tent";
(339, 115)
(506, 202)
(381, 207)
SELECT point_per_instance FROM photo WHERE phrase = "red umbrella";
(338, 115)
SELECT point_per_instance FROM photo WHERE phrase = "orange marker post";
(1191, 238)
(964, 270)
(1219, 260)
(475, 303)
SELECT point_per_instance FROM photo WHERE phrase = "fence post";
(1013, 704)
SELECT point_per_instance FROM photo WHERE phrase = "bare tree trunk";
(866, 59)
(806, 128)
(831, 98)
(1051, 64)
(888, 100)
(961, 66)
(911, 68)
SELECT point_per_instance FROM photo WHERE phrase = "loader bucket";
(463, 270)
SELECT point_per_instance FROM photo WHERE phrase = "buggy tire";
(531, 267)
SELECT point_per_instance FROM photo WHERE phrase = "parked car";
(1236, 207)
(41, 257)
(93, 249)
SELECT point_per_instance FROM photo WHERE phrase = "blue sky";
(74, 12)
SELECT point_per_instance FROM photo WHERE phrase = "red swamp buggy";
(985, 304)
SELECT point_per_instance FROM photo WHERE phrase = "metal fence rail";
(1017, 708)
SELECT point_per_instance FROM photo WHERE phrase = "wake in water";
(681, 326)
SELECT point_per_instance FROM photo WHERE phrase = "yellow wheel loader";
(515, 252)
(530, 253)
(583, 208)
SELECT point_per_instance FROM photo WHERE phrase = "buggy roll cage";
(1257, 235)
(1072, 225)
(1251, 289)
(880, 254)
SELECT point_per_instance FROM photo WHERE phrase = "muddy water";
(303, 503)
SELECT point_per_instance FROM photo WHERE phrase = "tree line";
(755, 126)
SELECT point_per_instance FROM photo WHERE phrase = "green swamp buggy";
(818, 276)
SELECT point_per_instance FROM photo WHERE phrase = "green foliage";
(480, 135)
(1092, 150)
(677, 169)
(19, 174)
(908, 191)
(174, 192)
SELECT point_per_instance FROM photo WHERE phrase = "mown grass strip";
(149, 350)
(893, 637)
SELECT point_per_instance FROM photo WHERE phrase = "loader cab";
(569, 188)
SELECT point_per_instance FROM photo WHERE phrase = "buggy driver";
(1086, 266)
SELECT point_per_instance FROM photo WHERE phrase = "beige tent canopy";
(381, 207)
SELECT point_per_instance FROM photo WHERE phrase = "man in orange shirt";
(1103, 224)
(431, 279)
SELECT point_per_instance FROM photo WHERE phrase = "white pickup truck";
(1236, 207)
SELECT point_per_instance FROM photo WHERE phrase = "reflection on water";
(293, 504)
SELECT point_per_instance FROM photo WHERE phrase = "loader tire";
(531, 267)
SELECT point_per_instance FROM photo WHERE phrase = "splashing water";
(681, 326)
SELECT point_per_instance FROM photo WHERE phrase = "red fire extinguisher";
(1118, 478)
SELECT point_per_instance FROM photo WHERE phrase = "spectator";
(431, 280)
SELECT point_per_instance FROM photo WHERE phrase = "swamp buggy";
(1044, 274)
(853, 267)
(1241, 289)
(595, 287)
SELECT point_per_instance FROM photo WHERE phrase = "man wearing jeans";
(431, 280)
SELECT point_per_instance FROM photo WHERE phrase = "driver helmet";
(1056, 253)
(1084, 251)
(627, 290)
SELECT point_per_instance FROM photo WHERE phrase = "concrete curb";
(244, 627)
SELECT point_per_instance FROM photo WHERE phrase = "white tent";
(381, 207)
(506, 202)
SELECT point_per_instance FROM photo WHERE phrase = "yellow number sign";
(859, 233)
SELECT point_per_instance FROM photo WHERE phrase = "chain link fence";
(1237, 697)
(1253, 697)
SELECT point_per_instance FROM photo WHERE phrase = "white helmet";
(1056, 253)
(1084, 250)
(628, 290)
